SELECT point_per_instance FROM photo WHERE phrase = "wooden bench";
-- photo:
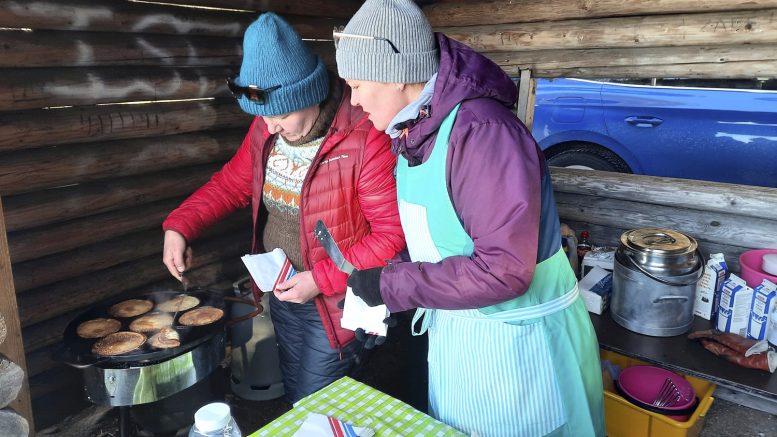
(722, 217)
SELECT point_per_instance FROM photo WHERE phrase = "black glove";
(372, 340)
(366, 285)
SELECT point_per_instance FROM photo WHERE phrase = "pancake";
(182, 302)
(131, 308)
(201, 316)
(151, 322)
(118, 343)
(167, 337)
(97, 328)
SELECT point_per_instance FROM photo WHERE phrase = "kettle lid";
(658, 241)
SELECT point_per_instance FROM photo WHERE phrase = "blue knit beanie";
(274, 54)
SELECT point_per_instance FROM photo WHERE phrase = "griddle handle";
(250, 315)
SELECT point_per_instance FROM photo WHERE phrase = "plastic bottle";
(569, 244)
(214, 420)
(583, 246)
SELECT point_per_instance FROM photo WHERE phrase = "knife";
(353, 303)
(329, 245)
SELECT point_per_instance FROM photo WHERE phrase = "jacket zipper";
(303, 232)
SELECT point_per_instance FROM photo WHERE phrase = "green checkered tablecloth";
(359, 405)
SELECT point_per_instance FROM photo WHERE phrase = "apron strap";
(558, 304)
(541, 310)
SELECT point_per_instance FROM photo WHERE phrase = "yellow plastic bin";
(624, 419)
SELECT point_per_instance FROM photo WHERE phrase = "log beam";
(734, 229)
(38, 88)
(33, 170)
(729, 70)
(743, 27)
(715, 197)
(36, 209)
(340, 8)
(104, 254)
(44, 48)
(49, 127)
(643, 61)
(13, 346)
(47, 240)
(473, 13)
(130, 17)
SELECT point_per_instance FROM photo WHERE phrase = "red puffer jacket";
(350, 186)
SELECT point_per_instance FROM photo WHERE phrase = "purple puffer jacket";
(494, 173)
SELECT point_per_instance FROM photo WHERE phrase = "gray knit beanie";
(403, 24)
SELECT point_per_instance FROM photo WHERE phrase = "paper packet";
(269, 269)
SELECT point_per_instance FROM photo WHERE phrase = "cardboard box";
(736, 299)
(709, 286)
(595, 289)
(603, 257)
(764, 299)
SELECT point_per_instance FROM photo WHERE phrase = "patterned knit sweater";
(285, 171)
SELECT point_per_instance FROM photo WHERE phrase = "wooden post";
(13, 347)
(526, 93)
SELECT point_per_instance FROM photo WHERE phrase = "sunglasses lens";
(255, 95)
(252, 93)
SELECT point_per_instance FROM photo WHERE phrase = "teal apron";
(525, 367)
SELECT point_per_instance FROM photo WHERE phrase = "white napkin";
(316, 425)
(269, 269)
(357, 314)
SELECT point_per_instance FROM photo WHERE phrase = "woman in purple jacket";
(492, 285)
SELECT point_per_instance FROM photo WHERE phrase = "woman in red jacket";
(308, 155)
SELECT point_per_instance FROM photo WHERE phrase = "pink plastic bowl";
(643, 384)
(750, 267)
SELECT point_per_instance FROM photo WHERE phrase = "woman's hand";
(176, 255)
(300, 288)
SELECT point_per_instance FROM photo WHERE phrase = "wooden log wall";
(111, 113)
(724, 218)
(618, 39)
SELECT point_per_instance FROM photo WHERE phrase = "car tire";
(589, 157)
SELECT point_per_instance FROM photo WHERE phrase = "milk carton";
(708, 287)
(764, 299)
(595, 289)
(736, 298)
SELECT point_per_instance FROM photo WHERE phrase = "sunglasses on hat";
(252, 92)
(338, 33)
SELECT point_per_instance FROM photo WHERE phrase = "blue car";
(724, 135)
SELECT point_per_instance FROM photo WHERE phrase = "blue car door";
(568, 110)
(696, 133)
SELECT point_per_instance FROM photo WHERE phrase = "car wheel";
(589, 157)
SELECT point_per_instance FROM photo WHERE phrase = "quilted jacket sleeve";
(227, 190)
(378, 200)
